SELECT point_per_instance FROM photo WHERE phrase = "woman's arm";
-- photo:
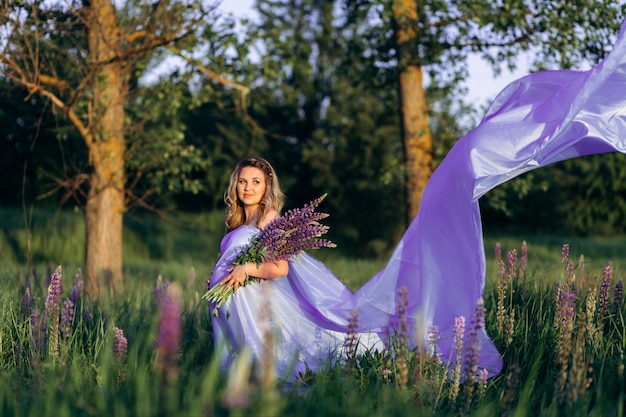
(265, 270)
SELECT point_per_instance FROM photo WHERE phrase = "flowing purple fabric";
(535, 121)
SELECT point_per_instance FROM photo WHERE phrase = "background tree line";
(359, 99)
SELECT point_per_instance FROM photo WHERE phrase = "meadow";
(554, 307)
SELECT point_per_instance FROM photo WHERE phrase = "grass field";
(559, 324)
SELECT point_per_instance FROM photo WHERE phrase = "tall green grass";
(87, 379)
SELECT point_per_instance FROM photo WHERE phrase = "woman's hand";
(237, 277)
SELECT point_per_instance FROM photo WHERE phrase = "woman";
(299, 304)
(538, 120)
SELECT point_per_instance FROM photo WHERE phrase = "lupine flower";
(618, 296)
(523, 260)
(458, 334)
(53, 307)
(402, 339)
(501, 292)
(603, 296)
(564, 325)
(498, 252)
(159, 291)
(564, 252)
(483, 376)
(120, 348)
(120, 344)
(595, 331)
(351, 343)
(511, 259)
(78, 288)
(67, 317)
(473, 342)
(169, 333)
(434, 335)
(284, 237)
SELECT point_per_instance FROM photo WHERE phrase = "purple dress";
(308, 312)
(535, 121)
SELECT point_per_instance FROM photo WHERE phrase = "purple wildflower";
(295, 231)
(120, 344)
(53, 307)
(169, 333)
(351, 343)
(159, 292)
(618, 296)
(67, 317)
(471, 358)
(434, 336)
(458, 333)
(78, 288)
(603, 296)
(564, 252)
(512, 263)
(523, 260)
(53, 299)
(483, 376)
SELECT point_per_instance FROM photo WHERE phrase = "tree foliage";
(311, 85)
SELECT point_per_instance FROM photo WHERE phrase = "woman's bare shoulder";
(271, 215)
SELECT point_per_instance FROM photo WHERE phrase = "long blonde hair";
(274, 198)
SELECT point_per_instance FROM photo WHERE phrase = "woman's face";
(251, 186)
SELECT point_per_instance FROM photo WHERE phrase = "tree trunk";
(417, 139)
(105, 201)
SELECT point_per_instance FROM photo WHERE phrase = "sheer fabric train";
(535, 121)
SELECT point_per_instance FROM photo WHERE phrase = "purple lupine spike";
(569, 269)
(458, 332)
(523, 259)
(512, 263)
(473, 342)
(53, 299)
(351, 342)
(159, 291)
(564, 252)
(67, 317)
(120, 344)
(53, 308)
(78, 288)
(603, 295)
(169, 333)
(618, 296)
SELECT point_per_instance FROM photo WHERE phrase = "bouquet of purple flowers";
(284, 237)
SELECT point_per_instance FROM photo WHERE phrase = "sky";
(482, 85)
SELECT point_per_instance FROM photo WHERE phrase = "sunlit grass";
(87, 379)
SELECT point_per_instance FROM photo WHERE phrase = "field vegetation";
(555, 310)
